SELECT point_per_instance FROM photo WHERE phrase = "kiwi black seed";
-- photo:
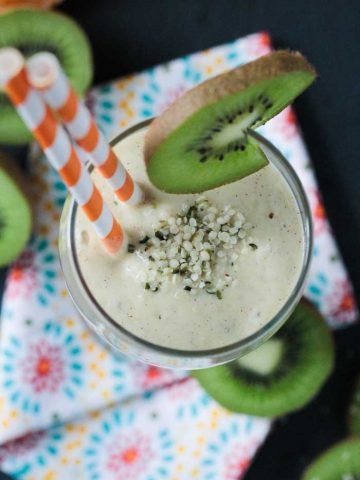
(201, 141)
(32, 31)
(280, 376)
(340, 462)
(354, 411)
(204, 145)
(15, 211)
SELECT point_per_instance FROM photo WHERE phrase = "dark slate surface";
(130, 35)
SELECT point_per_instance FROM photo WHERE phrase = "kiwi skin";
(342, 461)
(48, 32)
(11, 170)
(220, 86)
(242, 392)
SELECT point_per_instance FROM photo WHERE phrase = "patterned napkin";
(108, 417)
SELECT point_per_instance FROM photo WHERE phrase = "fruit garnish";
(15, 211)
(202, 140)
(33, 31)
(280, 376)
(340, 462)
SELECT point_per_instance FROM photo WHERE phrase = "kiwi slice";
(32, 31)
(280, 376)
(354, 413)
(341, 462)
(15, 211)
(201, 141)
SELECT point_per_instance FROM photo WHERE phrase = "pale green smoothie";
(259, 276)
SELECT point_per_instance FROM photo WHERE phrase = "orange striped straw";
(58, 148)
(46, 75)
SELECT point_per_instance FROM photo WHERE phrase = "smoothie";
(196, 296)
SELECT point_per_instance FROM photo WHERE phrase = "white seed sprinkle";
(195, 247)
(174, 229)
(197, 268)
(192, 222)
(225, 237)
(174, 263)
(188, 246)
(204, 255)
(198, 246)
(173, 252)
(178, 238)
(212, 235)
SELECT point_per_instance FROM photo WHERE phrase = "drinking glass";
(126, 342)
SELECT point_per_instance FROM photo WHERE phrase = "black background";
(130, 35)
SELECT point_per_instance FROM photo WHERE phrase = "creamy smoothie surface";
(255, 274)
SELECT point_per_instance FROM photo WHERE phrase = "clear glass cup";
(126, 342)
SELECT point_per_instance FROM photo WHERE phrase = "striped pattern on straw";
(58, 148)
(46, 74)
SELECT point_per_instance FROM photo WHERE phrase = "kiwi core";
(230, 133)
(265, 359)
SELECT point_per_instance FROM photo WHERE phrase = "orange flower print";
(341, 302)
(129, 456)
(43, 367)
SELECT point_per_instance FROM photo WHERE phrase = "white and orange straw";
(58, 148)
(46, 75)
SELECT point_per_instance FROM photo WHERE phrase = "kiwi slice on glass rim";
(33, 31)
(201, 141)
(280, 376)
(15, 211)
(354, 411)
(340, 462)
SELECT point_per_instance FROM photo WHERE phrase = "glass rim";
(246, 343)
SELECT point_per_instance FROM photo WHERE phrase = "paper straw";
(57, 146)
(46, 75)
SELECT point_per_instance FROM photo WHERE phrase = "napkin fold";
(130, 420)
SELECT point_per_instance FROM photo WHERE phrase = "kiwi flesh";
(32, 31)
(341, 462)
(280, 376)
(201, 141)
(354, 412)
(15, 211)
